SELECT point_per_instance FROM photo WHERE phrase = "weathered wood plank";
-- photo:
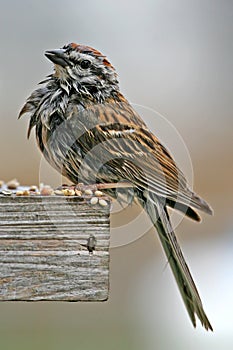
(43, 254)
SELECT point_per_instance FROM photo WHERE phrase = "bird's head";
(84, 69)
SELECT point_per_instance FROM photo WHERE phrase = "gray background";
(175, 57)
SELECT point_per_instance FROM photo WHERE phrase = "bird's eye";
(85, 64)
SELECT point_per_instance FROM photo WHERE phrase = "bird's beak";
(57, 57)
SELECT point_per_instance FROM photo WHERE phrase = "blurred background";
(172, 56)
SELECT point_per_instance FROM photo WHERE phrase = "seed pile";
(13, 188)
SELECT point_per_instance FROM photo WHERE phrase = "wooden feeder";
(54, 248)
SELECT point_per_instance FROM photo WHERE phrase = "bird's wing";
(133, 153)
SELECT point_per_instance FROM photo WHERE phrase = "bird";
(89, 132)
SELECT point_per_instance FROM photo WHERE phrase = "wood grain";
(43, 254)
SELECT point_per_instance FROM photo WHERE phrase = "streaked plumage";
(90, 133)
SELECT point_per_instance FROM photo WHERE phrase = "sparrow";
(89, 132)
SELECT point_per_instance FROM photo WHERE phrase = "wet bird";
(89, 132)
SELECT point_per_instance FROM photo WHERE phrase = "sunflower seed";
(26, 193)
(7, 192)
(59, 193)
(94, 200)
(98, 193)
(12, 184)
(33, 188)
(88, 192)
(78, 193)
(68, 192)
(103, 202)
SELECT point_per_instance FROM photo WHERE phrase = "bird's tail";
(160, 218)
